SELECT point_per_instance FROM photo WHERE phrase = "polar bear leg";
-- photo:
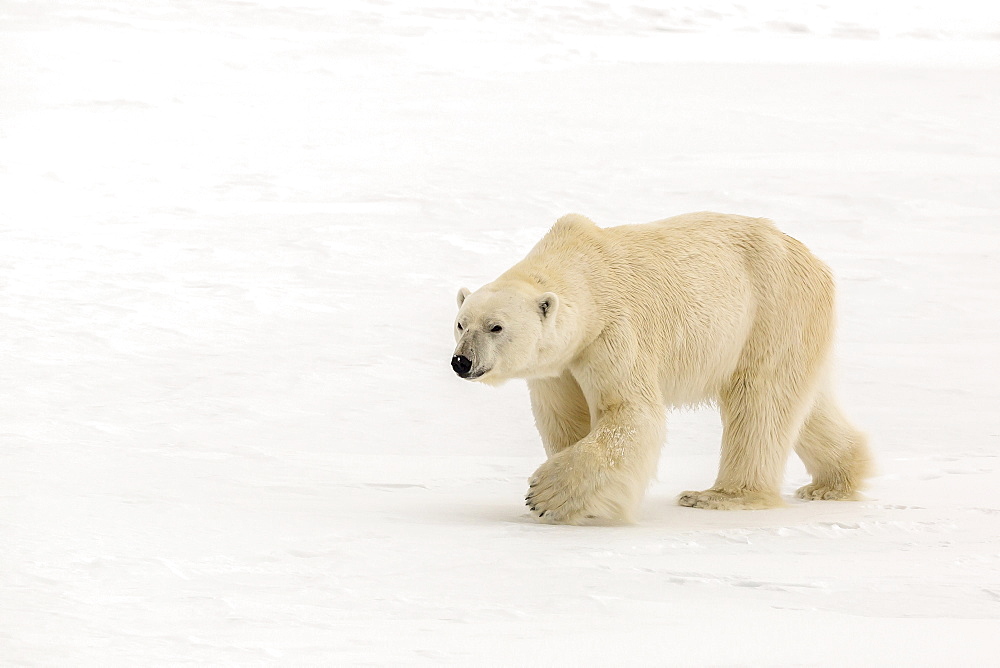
(761, 416)
(834, 452)
(605, 474)
(561, 413)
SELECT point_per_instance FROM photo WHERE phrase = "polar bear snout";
(462, 365)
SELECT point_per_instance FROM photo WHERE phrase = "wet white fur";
(611, 325)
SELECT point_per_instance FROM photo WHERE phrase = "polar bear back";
(690, 299)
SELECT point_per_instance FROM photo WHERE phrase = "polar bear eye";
(496, 328)
(460, 328)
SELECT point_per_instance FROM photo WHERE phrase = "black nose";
(461, 364)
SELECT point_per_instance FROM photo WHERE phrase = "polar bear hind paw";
(715, 499)
(822, 492)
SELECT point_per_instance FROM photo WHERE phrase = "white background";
(230, 238)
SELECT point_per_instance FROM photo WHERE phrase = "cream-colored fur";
(611, 325)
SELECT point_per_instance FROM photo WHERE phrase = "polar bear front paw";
(717, 499)
(564, 490)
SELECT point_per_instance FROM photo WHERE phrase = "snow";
(231, 238)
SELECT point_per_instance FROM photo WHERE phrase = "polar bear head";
(505, 330)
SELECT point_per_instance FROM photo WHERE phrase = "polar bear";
(610, 326)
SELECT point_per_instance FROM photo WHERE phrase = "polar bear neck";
(565, 260)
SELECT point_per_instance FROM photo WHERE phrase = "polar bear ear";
(462, 294)
(548, 304)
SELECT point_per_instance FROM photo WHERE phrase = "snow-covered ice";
(230, 238)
